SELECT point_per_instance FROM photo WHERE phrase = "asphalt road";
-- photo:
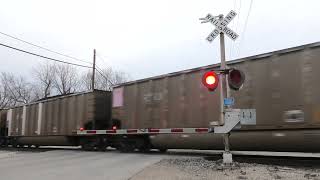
(72, 165)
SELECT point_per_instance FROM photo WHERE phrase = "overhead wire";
(45, 57)
(230, 45)
(236, 28)
(99, 70)
(245, 27)
(32, 44)
(101, 73)
(102, 59)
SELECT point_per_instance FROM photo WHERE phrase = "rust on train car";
(61, 115)
(281, 85)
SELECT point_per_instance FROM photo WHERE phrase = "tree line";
(50, 79)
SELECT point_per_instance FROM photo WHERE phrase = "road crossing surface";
(73, 165)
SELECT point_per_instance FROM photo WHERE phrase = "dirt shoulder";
(197, 168)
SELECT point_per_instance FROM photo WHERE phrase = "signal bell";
(210, 80)
(235, 79)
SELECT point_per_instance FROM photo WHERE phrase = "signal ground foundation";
(227, 158)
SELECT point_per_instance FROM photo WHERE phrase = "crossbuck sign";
(221, 26)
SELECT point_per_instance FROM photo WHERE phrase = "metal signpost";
(221, 23)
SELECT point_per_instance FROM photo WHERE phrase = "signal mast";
(224, 78)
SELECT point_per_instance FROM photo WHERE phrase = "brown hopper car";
(54, 121)
(282, 86)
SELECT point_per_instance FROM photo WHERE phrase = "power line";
(102, 59)
(44, 48)
(234, 49)
(97, 69)
(245, 27)
(52, 59)
(230, 45)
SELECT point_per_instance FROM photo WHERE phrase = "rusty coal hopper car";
(283, 86)
(54, 121)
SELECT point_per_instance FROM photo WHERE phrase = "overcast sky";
(150, 37)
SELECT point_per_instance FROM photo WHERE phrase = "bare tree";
(115, 77)
(86, 79)
(16, 90)
(53, 79)
(44, 75)
(105, 79)
(5, 99)
(66, 79)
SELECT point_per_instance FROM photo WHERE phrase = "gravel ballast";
(201, 168)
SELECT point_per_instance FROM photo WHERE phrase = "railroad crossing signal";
(221, 26)
(236, 79)
(210, 80)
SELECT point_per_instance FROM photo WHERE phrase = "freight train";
(173, 111)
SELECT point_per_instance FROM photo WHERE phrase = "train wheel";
(102, 147)
(87, 144)
(15, 145)
(145, 150)
(3, 142)
(13, 142)
(103, 144)
(163, 150)
(126, 147)
(87, 147)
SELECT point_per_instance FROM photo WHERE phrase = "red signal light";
(236, 79)
(114, 127)
(81, 129)
(210, 80)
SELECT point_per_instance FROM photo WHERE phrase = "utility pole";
(93, 78)
(93, 69)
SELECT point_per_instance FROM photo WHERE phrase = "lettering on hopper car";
(294, 116)
(152, 97)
